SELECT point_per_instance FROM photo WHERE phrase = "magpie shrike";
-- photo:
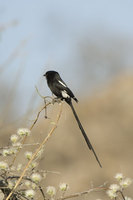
(61, 91)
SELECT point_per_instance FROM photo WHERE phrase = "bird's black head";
(50, 74)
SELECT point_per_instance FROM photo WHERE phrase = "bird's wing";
(61, 85)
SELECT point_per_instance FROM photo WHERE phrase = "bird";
(59, 88)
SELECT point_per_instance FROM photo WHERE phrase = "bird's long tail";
(83, 132)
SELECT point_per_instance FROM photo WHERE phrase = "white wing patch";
(64, 94)
(62, 83)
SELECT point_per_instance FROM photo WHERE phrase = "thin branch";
(41, 190)
(27, 144)
(98, 189)
(39, 115)
(43, 97)
(122, 194)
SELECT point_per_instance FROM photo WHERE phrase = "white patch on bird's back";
(64, 94)
(62, 83)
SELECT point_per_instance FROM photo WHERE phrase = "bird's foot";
(56, 100)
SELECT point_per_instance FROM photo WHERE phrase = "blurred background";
(90, 43)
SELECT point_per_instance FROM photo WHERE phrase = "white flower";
(27, 183)
(33, 165)
(19, 167)
(111, 194)
(119, 176)
(17, 144)
(51, 191)
(6, 152)
(63, 187)
(14, 138)
(13, 150)
(36, 177)
(13, 168)
(10, 184)
(30, 193)
(114, 187)
(33, 185)
(3, 165)
(126, 182)
(28, 155)
(128, 198)
(23, 131)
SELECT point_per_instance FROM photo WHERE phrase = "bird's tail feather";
(83, 132)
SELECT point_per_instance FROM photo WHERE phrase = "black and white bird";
(61, 91)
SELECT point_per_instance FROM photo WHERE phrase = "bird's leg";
(55, 99)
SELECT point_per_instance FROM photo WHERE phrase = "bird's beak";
(44, 74)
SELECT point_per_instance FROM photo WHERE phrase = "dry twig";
(97, 189)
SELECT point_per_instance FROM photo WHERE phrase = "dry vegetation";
(107, 118)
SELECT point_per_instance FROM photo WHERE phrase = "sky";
(52, 30)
